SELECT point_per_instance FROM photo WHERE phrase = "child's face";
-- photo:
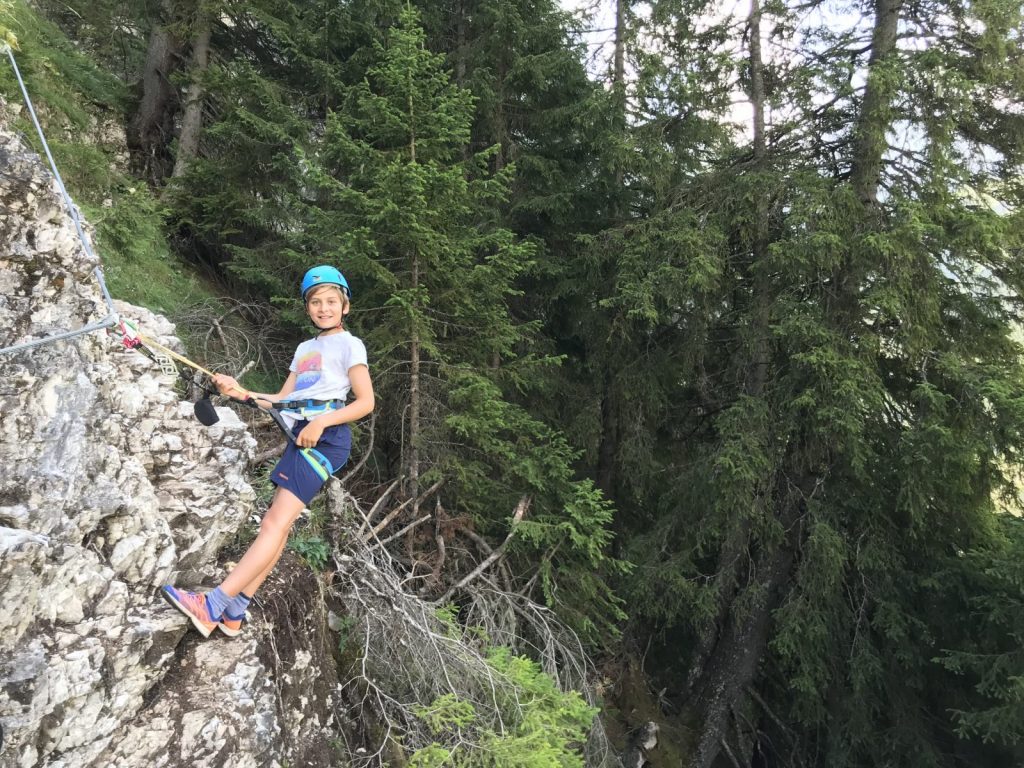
(326, 306)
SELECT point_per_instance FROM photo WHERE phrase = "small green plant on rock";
(313, 548)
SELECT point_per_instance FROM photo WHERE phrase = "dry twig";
(521, 507)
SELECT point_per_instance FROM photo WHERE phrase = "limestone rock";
(110, 488)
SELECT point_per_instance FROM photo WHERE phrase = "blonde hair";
(320, 288)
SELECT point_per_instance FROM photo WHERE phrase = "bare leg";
(261, 556)
(252, 586)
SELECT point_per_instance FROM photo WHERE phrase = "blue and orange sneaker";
(193, 605)
(232, 627)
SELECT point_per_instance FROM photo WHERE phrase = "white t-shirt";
(321, 367)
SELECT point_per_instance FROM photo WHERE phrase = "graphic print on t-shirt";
(308, 370)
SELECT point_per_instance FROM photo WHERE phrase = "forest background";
(727, 311)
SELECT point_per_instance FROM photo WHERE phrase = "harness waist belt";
(308, 405)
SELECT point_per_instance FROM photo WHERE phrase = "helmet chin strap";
(322, 331)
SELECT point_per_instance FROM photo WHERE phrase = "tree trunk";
(731, 667)
(608, 446)
(760, 321)
(414, 404)
(192, 120)
(414, 356)
(151, 129)
(743, 640)
(619, 62)
(619, 90)
(728, 650)
(874, 119)
(460, 44)
(500, 127)
(728, 575)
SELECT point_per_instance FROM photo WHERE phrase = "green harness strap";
(320, 463)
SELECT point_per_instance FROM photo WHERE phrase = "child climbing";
(323, 372)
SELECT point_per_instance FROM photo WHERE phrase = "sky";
(598, 17)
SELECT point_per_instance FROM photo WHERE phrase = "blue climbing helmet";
(324, 275)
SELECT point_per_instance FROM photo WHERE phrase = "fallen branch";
(521, 507)
(486, 548)
(399, 509)
(380, 502)
(405, 653)
(215, 324)
(439, 515)
(477, 539)
(407, 528)
(248, 367)
(366, 453)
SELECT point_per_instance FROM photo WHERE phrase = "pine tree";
(246, 195)
(415, 219)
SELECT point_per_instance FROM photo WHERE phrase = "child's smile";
(325, 309)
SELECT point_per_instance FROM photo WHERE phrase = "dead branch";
(366, 452)
(521, 507)
(394, 536)
(768, 711)
(380, 502)
(248, 367)
(435, 573)
(477, 539)
(401, 507)
(728, 752)
(406, 655)
(270, 453)
(215, 324)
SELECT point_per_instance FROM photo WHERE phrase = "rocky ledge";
(111, 488)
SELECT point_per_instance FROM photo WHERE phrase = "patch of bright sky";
(597, 32)
(810, 34)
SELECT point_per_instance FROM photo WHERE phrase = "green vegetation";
(313, 549)
(544, 726)
(75, 98)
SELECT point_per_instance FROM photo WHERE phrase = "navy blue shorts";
(304, 471)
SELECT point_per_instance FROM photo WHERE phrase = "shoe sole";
(228, 631)
(196, 622)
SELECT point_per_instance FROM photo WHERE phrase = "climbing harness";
(112, 317)
(307, 409)
(320, 463)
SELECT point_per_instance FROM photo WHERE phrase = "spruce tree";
(393, 197)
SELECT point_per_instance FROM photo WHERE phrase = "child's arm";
(227, 385)
(362, 404)
(286, 389)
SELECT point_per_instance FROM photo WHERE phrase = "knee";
(276, 524)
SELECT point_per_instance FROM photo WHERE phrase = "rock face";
(110, 488)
